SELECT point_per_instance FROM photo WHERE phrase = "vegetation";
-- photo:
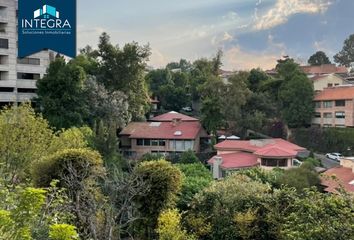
(318, 58)
(346, 56)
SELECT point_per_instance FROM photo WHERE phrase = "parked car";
(187, 109)
(334, 156)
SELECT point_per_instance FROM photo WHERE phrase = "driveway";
(326, 162)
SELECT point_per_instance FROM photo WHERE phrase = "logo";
(49, 24)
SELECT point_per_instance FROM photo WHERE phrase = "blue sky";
(252, 33)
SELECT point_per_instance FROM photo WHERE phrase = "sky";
(251, 33)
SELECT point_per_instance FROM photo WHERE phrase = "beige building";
(328, 80)
(334, 107)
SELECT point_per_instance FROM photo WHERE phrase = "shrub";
(188, 157)
(62, 232)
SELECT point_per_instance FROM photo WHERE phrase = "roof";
(324, 69)
(236, 160)
(275, 151)
(170, 116)
(344, 176)
(336, 93)
(254, 145)
(163, 130)
(319, 77)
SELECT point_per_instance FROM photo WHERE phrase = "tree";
(346, 56)
(163, 183)
(196, 178)
(319, 58)
(62, 232)
(169, 226)
(78, 171)
(188, 157)
(256, 78)
(61, 95)
(122, 69)
(296, 97)
(173, 98)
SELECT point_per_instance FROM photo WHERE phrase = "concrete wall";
(322, 83)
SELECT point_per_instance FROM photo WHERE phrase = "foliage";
(300, 178)
(164, 183)
(122, 69)
(62, 232)
(256, 79)
(263, 176)
(61, 94)
(173, 98)
(188, 157)
(296, 97)
(319, 58)
(77, 171)
(196, 178)
(169, 226)
(346, 56)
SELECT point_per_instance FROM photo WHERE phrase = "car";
(334, 156)
(187, 109)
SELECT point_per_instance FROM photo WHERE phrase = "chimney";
(217, 174)
(176, 121)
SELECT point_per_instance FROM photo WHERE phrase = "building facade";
(334, 107)
(17, 76)
(328, 80)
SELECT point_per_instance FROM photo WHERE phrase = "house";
(325, 69)
(334, 107)
(169, 134)
(321, 82)
(339, 177)
(265, 153)
(154, 103)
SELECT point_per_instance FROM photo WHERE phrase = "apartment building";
(17, 76)
(334, 107)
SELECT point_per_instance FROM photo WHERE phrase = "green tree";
(163, 184)
(319, 58)
(256, 78)
(173, 98)
(196, 178)
(122, 69)
(62, 232)
(346, 56)
(296, 97)
(188, 157)
(61, 94)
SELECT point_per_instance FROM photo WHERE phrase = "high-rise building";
(17, 76)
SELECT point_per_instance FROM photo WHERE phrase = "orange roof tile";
(344, 176)
(324, 69)
(168, 117)
(275, 151)
(236, 160)
(336, 93)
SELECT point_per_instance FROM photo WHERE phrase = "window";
(30, 61)
(181, 145)
(327, 125)
(147, 142)
(318, 105)
(274, 162)
(340, 126)
(6, 89)
(317, 114)
(340, 103)
(26, 90)
(330, 85)
(154, 142)
(4, 43)
(327, 115)
(340, 114)
(327, 104)
(140, 142)
(28, 76)
(162, 143)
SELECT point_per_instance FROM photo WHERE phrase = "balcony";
(7, 97)
(340, 121)
(3, 15)
(316, 120)
(25, 97)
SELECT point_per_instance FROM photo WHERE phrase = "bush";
(63, 232)
(169, 226)
(163, 182)
(188, 157)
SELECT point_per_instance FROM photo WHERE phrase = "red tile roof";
(254, 145)
(168, 117)
(237, 160)
(343, 177)
(336, 93)
(275, 151)
(324, 69)
(163, 130)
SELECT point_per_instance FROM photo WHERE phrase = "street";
(326, 162)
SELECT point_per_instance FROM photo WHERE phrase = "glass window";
(340, 114)
(4, 43)
(318, 105)
(29, 76)
(327, 115)
(188, 145)
(330, 85)
(317, 114)
(340, 103)
(147, 142)
(154, 142)
(162, 143)
(327, 104)
(140, 142)
(179, 145)
(29, 61)
(274, 162)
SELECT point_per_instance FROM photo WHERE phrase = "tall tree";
(123, 69)
(61, 94)
(319, 58)
(346, 56)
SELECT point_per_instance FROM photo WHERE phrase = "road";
(326, 162)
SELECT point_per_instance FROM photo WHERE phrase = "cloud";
(157, 59)
(284, 9)
(238, 59)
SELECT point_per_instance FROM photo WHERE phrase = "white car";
(187, 109)
(334, 156)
